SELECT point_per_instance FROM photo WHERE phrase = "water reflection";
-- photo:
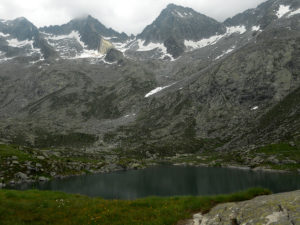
(170, 181)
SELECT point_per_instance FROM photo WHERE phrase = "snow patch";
(294, 12)
(254, 108)
(213, 39)
(88, 54)
(202, 43)
(182, 15)
(255, 28)
(149, 46)
(109, 38)
(283, 9)
(85, 53)
(156, 90)
(226, 52)
(176, 13)
(3, 35)
(129, 115)
(124, 46)
(2, 54)
(237, 29)
(73, 35)
(28, 44)
(152, 46)
(109, 63)
(19, 44)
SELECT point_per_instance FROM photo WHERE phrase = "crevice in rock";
(234, 221)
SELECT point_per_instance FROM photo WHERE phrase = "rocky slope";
(234, 90)
(233, 101)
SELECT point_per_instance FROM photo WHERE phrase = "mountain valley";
(187, 90)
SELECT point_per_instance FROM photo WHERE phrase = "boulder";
(272, 159)
(283, 209)
(43, 179)
(52, 174)
(40, 157)
(21, 176)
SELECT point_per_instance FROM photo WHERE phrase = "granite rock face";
(181, 23)
(283, 209)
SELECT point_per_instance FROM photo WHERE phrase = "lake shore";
(26, 165)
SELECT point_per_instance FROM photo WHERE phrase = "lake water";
(170, 181)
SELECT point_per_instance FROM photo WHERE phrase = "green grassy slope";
(46, 207)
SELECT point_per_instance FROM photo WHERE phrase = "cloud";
(130, 16)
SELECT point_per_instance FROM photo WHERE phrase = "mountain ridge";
(210, 96)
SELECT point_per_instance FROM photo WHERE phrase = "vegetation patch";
(45, 207)
(71, 139)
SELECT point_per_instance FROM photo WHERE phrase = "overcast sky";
(130, 16)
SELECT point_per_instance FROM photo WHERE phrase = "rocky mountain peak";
(89, 28)
(177, 10)
(19, 28)
(265, 14)
(180, 23)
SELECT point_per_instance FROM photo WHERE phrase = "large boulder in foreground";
(283, 209)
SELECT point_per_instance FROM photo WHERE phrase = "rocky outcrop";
(113, 55)
(104, 46)
(283, 209)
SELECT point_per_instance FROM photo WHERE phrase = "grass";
(59, 165)
(10, 150)
(283, 150)
(46, 207)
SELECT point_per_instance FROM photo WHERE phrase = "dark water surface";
(170, 181)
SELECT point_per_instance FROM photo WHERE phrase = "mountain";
(186, 84)
(264, 14)
(20, 28)
(176, 24)
(89, 29)
(21, 37)
(181, 23)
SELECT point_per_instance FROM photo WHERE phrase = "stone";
(52, 174)
(14, 158)
(40, 157)
(15, 162)
(135, 165)
(291, 143)
(43, 179)
(256, 160)
(38, 165)
(289, 161)
(272, 159)
(283, 209)
(57, 154)
(21, 176)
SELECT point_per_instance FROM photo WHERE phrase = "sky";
(129, 16)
